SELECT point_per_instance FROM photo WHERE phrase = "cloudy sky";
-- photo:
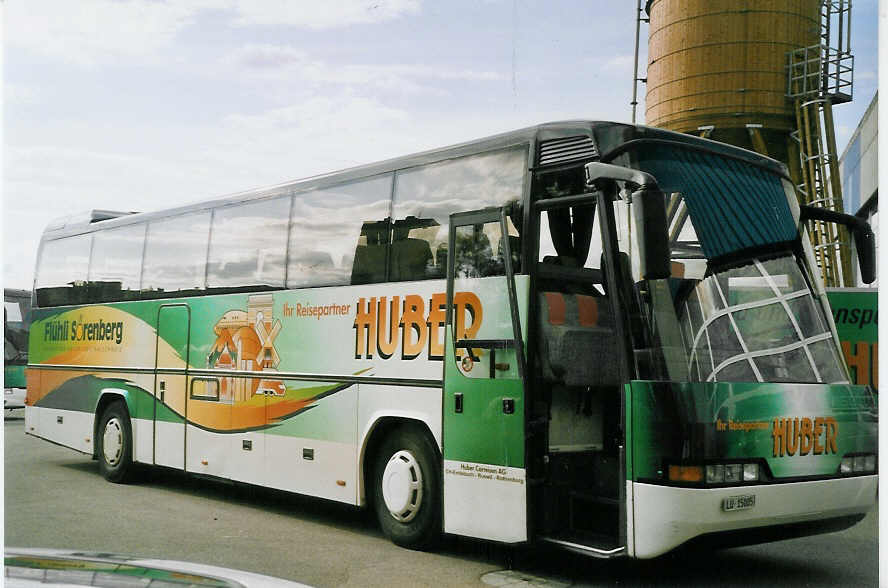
(144, 104)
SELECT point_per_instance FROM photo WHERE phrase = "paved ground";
(55, 497)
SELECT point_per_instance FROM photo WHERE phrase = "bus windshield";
(757, 322)
(16, 310)
(741, 305)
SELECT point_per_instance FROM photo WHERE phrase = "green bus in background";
(16, 319)
(606, 337)
(856, 314)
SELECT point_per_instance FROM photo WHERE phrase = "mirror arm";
(597, 172)
(809, 212)
(864, 238)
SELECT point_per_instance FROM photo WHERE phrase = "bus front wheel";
(115, 444)
(407, 489)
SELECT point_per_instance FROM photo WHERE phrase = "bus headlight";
(721, 473)
(733, 472)
(858, 464)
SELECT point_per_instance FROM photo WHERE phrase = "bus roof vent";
(555, 151)
(84, 218)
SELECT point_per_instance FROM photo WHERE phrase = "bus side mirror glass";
(649, 209)
(865, 241)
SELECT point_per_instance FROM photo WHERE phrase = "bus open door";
(485, 484)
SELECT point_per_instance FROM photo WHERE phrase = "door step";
(594, 498)
(591, 544)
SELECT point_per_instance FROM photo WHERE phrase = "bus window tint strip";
(718, 190)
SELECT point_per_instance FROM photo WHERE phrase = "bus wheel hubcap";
(402, 486)
(112, 442)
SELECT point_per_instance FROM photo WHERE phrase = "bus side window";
(115, 266)
(426, 196)
(248, 245)
(570, 251)
(335, 237)
(176, 256)
(205, 389)
(411, 252)
(63, 270)
(479, 251)
(370, 253)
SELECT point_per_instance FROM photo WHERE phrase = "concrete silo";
(759, 74)
(717, 66)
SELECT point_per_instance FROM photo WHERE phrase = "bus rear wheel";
(407, 489)
(114, 444)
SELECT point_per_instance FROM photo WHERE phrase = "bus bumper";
(666, 517)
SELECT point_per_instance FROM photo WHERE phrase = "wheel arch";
(106, 397)
(377, 430)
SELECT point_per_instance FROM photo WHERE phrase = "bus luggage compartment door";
(173, 326)
(485, 487)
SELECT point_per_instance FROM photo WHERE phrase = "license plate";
(738, 502)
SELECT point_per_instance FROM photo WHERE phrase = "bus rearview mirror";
(862, 233)
(649, 209)
(649, 206)
(865, 241)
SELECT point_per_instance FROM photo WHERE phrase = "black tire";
(417, 522)
(115, 437)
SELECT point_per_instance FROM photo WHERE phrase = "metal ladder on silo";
(818, 77)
